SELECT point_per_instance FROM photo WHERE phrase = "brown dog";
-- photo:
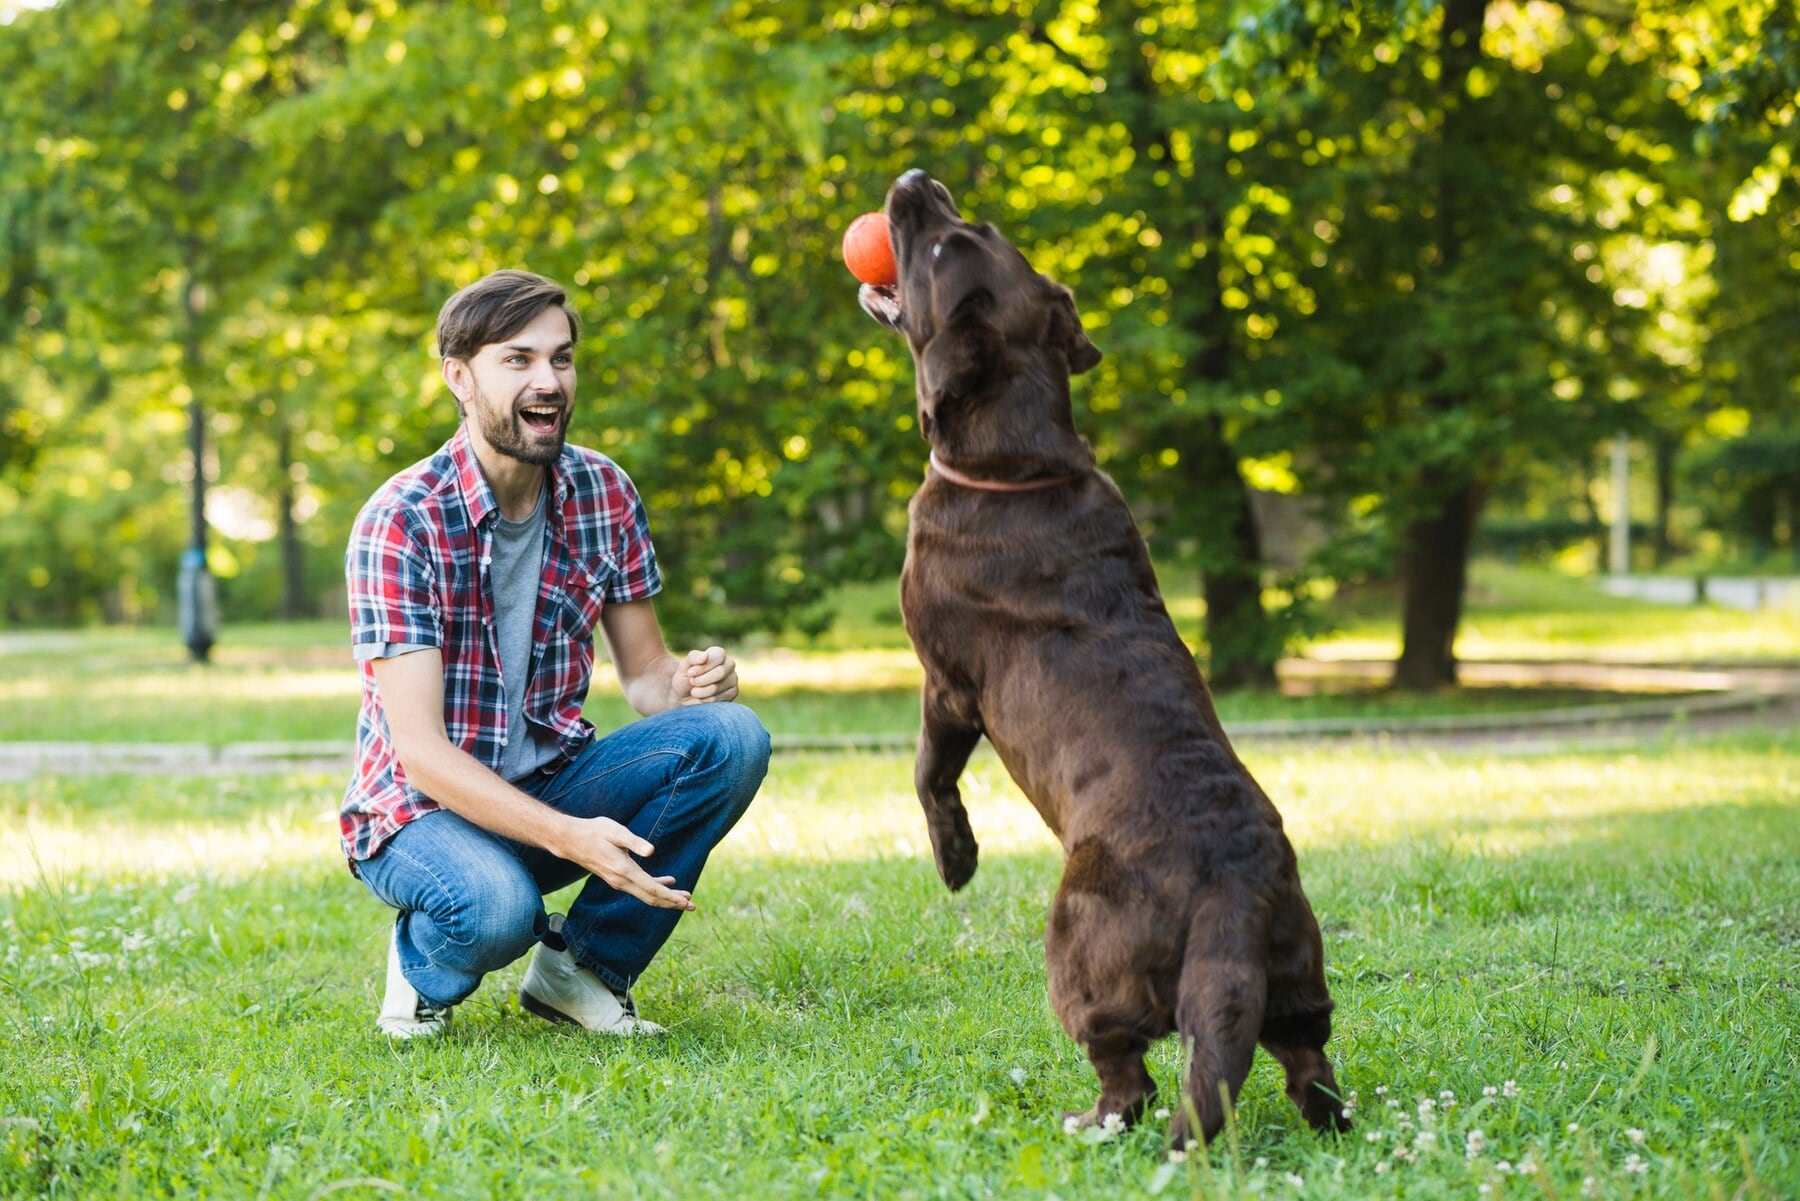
(1029, 596)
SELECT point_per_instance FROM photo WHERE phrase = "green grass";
(297, 683)
(189, 980)
(1535, 613)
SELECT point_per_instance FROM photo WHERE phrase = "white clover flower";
(1071, 1124)
(1635, 1135)
(1509, 1089)
(1503, 1167)
(1381, 1168)
(1446, 1095)
(1112, 1123)
(1018, 1075)
(1262, 1161)
(1162, 1115)
(1373, 1136)
(1574, 1127)
(1296, 1179)
(1380, 1090)
(1486, 1190)
(1490, 1091)
(1474, 1144)
(1425, 1140)
(1590, 1187)
(1177, 1156)
(1634, 1163)
(1426, 1106)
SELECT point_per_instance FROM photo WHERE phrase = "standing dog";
(1029, 596)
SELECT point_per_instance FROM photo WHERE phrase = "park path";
(1697, 701)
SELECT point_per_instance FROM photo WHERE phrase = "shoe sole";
(532, 1005)
(537, 1008)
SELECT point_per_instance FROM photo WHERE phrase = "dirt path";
(1706, 700)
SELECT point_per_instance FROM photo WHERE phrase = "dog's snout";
(912, 178)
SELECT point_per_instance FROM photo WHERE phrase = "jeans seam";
(551, 797)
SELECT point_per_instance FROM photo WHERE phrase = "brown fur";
(1038, 620)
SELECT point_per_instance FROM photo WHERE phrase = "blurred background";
(1381, 287)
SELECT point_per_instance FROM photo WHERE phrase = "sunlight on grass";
(854, 807)
(60, 829)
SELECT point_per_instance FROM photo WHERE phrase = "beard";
(505, 429)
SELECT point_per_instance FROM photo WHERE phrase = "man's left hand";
(708, 675)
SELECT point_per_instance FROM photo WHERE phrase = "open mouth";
(882, 302)
(541, 418)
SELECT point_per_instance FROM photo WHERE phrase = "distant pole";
(1619, 559)
(194, 590)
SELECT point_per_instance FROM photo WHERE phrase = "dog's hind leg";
(1297, 1041)
(1097, 989)
(945, 742)
(1220, 1009)
(1298, 1022)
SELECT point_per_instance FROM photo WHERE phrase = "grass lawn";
(1549, 971)
(296, 682)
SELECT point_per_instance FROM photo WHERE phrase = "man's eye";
(563, 360)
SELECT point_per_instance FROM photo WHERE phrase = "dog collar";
(951, 475)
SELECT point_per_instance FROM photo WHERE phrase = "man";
(477, 579)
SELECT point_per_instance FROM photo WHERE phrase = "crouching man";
(477, 580)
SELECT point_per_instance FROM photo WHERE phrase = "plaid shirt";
(417, 569)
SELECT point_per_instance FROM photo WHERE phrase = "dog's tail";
(1219, 1013)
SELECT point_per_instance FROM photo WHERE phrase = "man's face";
(519, 393)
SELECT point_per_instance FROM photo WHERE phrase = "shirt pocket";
(584, 596)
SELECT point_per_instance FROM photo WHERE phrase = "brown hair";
(494, 308)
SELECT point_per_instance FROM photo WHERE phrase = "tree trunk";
(1244, 649)
(1434, 553)
(1663, 448)
(1434, 572)
(1238, 630)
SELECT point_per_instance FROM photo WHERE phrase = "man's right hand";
(605, 848)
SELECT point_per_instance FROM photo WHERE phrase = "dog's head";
(973, 311)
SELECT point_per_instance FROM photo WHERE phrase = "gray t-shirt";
(514, 572)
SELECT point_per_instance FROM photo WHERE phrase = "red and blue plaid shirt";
(417, 569)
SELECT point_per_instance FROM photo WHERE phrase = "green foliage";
(1313, 266)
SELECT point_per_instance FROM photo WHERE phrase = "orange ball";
(867, 251)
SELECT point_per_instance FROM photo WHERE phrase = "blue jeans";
(471, 901)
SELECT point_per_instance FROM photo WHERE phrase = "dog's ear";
(964, 354)
(1067, 335)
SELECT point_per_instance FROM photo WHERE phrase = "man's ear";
(459, 380)
(1067, 335)
(964, 354)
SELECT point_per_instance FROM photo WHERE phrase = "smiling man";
(477, 580)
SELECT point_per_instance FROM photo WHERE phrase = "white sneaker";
(558, 989)
(405, 1014)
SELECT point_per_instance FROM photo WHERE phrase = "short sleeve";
(392, 587)
(638, 576)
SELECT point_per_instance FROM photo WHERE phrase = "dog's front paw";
(956, 852)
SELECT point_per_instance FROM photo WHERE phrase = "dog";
(1030, 599)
